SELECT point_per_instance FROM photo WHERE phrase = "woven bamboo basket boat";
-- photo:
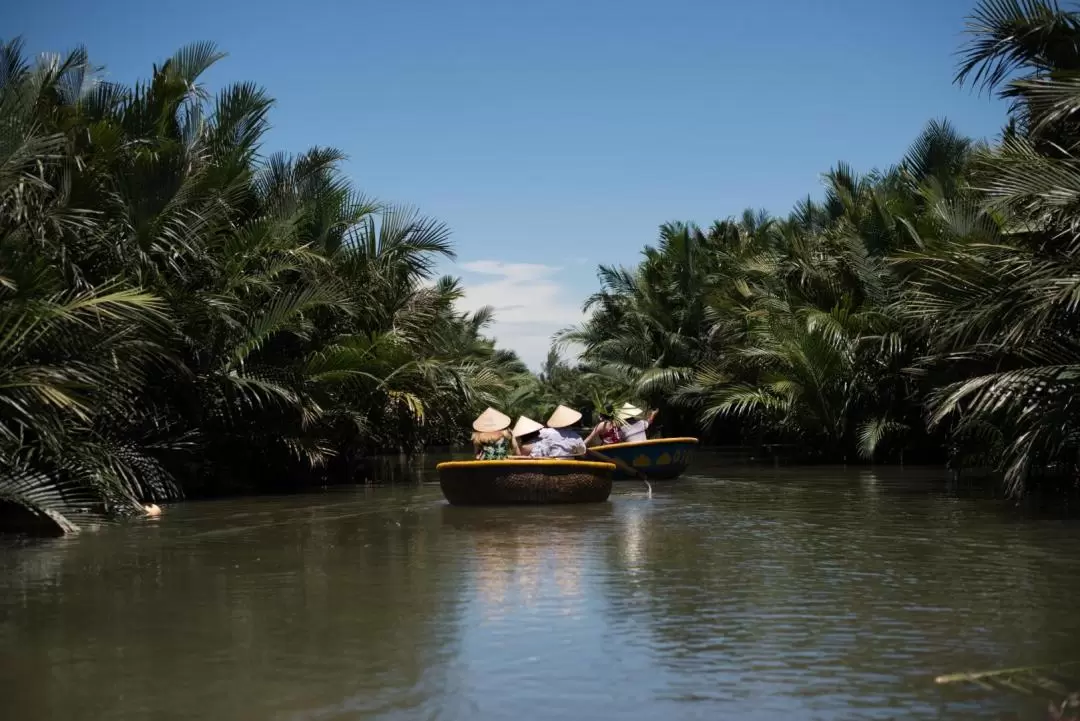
(660, 459)
(483, 483)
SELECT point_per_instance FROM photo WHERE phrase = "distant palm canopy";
(930, 308)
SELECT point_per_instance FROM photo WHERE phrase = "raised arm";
(594, 434)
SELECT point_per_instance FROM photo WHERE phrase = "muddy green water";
(735, 593)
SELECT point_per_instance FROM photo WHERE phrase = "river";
(734, 593)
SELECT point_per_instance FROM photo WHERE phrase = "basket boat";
(521, 481)
(660, 459)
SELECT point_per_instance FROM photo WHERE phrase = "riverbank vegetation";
(928, 309)
(182, 310)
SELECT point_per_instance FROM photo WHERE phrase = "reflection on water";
(735, 593)
(519, 562)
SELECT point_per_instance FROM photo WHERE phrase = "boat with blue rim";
(660, 459)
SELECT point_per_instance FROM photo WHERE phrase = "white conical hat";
(563, 417)
(525, 426)
(491, 421)
(629, 411)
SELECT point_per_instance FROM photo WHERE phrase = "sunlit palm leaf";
(67, 504)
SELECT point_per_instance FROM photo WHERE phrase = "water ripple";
(735, 593)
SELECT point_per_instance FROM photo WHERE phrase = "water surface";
(733, 593)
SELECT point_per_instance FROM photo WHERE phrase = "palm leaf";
(65, 503)
(1052, 682)
(872, 432)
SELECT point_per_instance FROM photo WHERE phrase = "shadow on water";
(269, 608)
(403, 470)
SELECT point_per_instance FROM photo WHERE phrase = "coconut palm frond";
(67, 504)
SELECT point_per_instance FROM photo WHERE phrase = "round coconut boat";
(660, 459)
(548, 480)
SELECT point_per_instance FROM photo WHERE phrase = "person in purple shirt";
(559, 440)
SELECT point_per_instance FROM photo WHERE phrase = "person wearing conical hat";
(636, 422)
(606, 431)
(559, 440)
(563, 417)
(526, 432)
(491, 438)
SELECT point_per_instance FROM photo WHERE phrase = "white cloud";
(530, 304)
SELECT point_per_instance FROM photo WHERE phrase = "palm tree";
(179, 311)
(993, 277)
(785, 328)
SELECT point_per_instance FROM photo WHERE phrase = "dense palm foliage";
(933, 306)
(560, 382)
(179, 310)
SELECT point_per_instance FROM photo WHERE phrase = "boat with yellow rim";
(660, 459)
(525, 481)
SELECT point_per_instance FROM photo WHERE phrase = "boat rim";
(527, 462)
(650, 442)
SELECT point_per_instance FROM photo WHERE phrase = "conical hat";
(629, 411)
(563, 417)
(491, 421)
(525, 426)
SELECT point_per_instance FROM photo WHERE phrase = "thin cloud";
(530, 304)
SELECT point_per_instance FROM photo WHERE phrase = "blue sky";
(555, 135)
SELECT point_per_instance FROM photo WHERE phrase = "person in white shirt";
(558, 440)
(636, 423)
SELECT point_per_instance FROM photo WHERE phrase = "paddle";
(621, 465)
